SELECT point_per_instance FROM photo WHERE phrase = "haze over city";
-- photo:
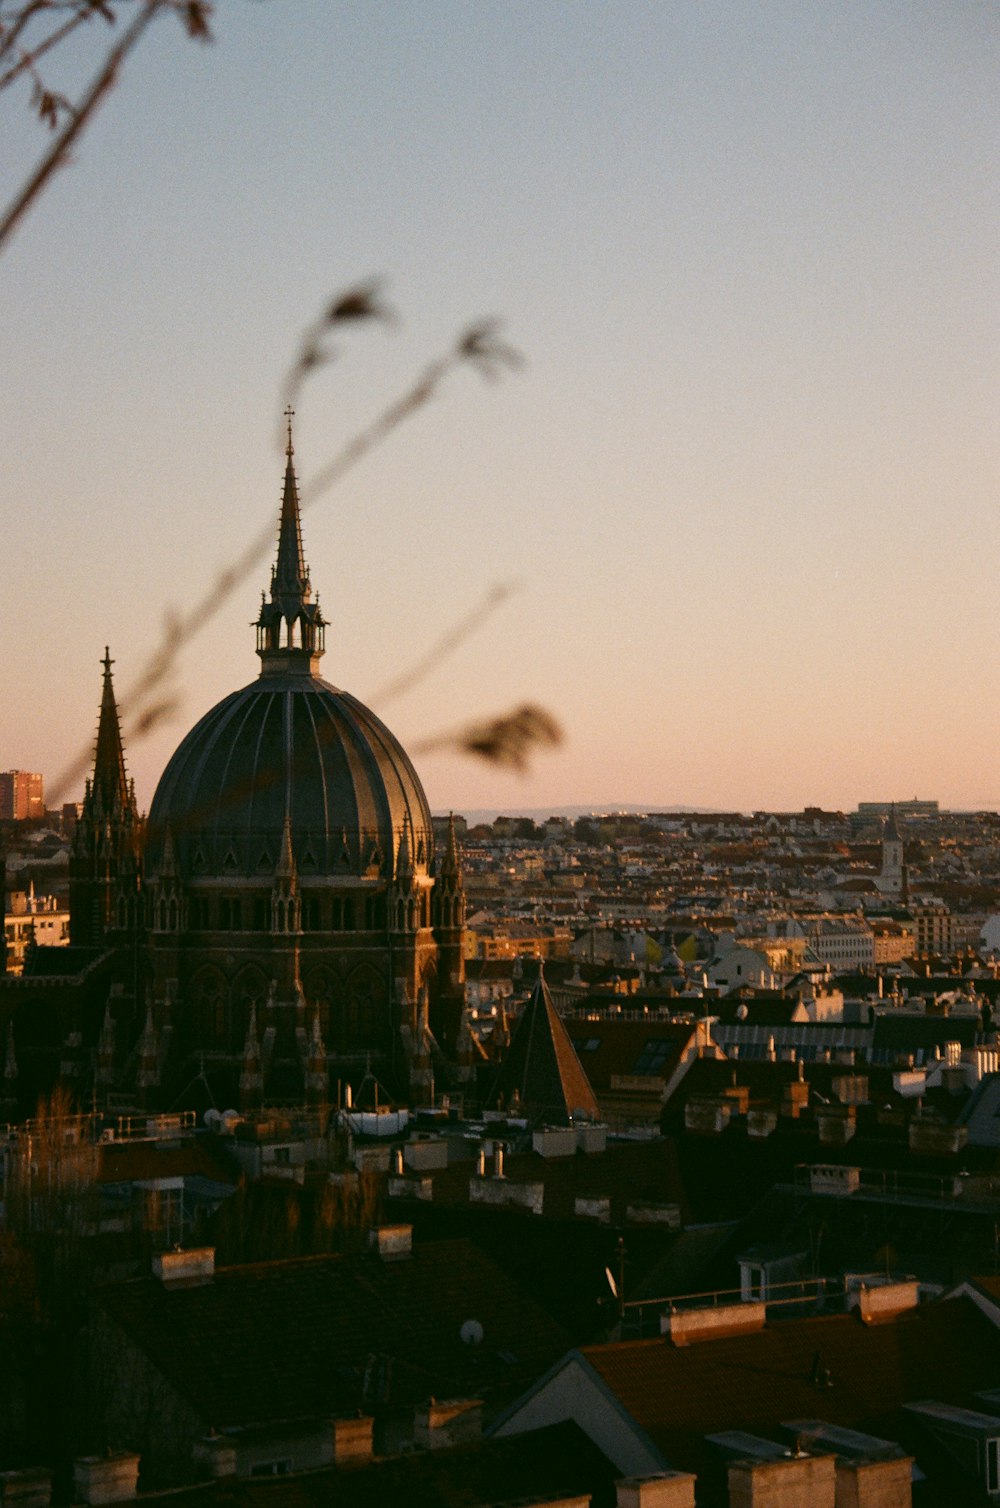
(745, 484)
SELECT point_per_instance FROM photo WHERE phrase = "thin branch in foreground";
(446, 645)
(145, 703)
(194, 16)
(355, 306)
(507, 741)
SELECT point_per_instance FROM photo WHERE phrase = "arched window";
(209, 999)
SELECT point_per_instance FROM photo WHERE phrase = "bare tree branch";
(149, 699)
(194, 15)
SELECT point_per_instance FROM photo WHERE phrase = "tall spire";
(110, 779)
(290, 578)
(290, 625)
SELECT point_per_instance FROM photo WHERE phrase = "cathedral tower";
(289, 867)
(104, 858)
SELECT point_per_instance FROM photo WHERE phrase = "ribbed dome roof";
(289, 744)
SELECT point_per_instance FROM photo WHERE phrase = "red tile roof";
(677, 1395)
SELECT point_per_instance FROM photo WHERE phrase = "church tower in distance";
(104, 860)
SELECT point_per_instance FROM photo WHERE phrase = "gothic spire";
(290, 578)
(110, 780)
(451, 864)
(290, 625)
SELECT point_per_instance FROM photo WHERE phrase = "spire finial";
(289, 416)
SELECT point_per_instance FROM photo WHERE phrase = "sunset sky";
(746, 483)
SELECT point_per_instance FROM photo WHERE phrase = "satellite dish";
(212, 1118)
(471, 1333)
(611, 1281)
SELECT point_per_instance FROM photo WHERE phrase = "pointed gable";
(541, 1071)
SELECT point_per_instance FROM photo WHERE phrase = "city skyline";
(744, 485)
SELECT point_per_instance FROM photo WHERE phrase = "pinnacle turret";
(451, 864)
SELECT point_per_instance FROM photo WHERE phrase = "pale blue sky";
(747, 481)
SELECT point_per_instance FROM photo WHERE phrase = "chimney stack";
(112, 1478)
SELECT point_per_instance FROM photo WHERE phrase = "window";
(653, 1056)
(230, 913)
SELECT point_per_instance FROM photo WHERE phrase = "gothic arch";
(363, 1017)
(325, 995)
(249, 992)
(208, 994)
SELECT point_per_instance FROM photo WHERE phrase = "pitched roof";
(541, 1068)
(298, 1339)
(946, 1350)
(650, 1048)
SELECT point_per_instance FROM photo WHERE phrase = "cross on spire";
(289, 416)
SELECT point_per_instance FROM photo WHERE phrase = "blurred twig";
(151, 698)
(507, 741)
(53, 107)
(447, 643)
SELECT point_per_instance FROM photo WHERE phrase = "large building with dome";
(280, 919)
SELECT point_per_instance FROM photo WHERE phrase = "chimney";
(713, 1322)
(774, 1484)
(352, 1440)
(188, 1268)
(393, 1243)
(453, 1421)
(31, 1487)
(106, 1479)
(214, 1456)
(875, 1483)
(668, 1489)
(884, 1301)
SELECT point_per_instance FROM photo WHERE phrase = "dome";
(289, 745)
(289, 753)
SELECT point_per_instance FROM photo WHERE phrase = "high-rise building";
(22, 795)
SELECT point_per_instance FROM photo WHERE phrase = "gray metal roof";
(289, 744)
